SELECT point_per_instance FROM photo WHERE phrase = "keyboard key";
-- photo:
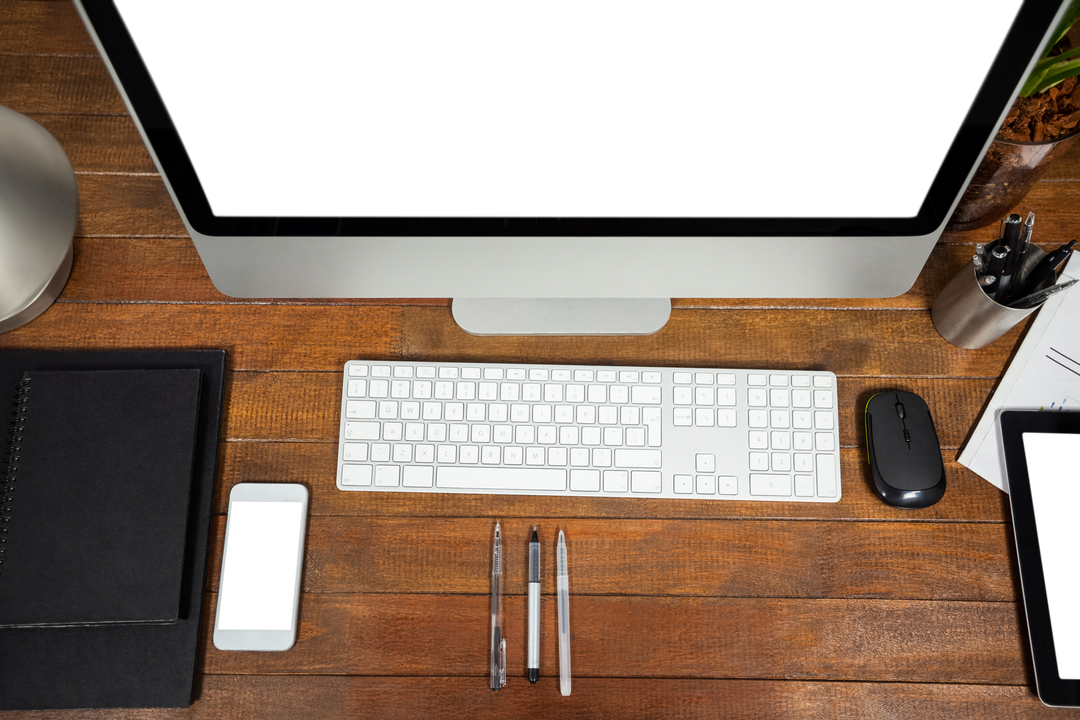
(357, 388)
(756, 397)
(448, 373)
(493, 373)
(824, 442)
(755, 379)
(759, 440)
(682, 417)
(684, 484)
(704, 417)
(780, 419)
(354, 452)
(387, 475)
(778, 380)
(758, 418)
(682, 378)
(800, 380)
(705, 463)
(804, 462)
(823, 399)
(727, 485)
(481, 478)
(725, 397)
(823, 420)
(781, 462)
(644, 481)
(628, 376)
(726, 418)
(356, 474)
(585, 480)
(380, 452)
(725, 378)
(417, 476)
(770, 485)
(802, 441)
(637, 458)
(402, 452)
(380, 371)
(616, 480)
(358, 370)
(802, 419)
(800, 398)
(781, 440)
(826, 475)
(403, 371)
(704, 396)
(360, 409)
(362, 430)
(470, 373)
(778, 398)
(804, 485)
(425, 372)
(606, 376)
(682, 396)
(653, 378)
(759, 461)
(822, 381)
(643, 395)
(706, 485)
(651, 418)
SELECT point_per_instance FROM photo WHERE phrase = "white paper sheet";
(1044, 375)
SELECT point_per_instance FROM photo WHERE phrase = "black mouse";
(903, 450)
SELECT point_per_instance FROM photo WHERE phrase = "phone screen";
(258, 572)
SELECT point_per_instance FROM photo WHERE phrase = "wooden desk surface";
(683, 609)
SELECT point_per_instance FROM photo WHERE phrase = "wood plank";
(638, 637)
(322, 338)
(99, 144)
(43, 28)
(246, 697)
(969, 498)
(672, 558)
(863, 342)
(256, 337)
(73, 84)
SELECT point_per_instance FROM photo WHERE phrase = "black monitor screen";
(580, 108)
(1055, 476)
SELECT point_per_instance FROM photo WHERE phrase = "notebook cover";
(99, 479)
(126, 665)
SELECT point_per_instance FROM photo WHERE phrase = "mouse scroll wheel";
(900, 411)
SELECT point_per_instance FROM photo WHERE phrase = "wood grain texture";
(700, 558)
(256, 337)
(277, 697)
(640, 636)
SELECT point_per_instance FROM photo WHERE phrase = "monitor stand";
(561, 316)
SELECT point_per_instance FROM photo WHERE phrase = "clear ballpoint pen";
(498, 642)
(564, 618)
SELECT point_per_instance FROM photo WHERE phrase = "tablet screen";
(1053, 464)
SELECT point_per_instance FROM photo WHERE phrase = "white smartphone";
(259, 591)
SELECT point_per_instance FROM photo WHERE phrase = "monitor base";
(561, 316)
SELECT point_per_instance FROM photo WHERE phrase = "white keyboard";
(589, 431)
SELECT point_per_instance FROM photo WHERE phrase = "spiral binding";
(9, 467)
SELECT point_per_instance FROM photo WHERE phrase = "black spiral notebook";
(97, 476)
(124, 642)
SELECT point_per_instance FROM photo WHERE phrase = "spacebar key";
(490, 478)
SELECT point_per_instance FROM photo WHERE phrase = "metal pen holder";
(966, 316)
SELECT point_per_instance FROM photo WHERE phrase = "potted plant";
(1042, 124)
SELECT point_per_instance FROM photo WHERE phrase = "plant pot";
(1009, 170)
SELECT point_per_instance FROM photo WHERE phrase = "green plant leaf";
(1058, 74)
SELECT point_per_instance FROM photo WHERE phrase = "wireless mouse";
(903, 450)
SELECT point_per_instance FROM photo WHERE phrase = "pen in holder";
(967, 317)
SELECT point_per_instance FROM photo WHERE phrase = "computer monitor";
(606, 150)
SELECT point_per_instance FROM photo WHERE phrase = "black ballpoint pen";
(1038, 298)
(1011, 240)
(1043, 270)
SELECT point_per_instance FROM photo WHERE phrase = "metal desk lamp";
(39, 206)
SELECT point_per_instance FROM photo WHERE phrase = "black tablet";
(1042, 459)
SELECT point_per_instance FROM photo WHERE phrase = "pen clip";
(501, 660)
